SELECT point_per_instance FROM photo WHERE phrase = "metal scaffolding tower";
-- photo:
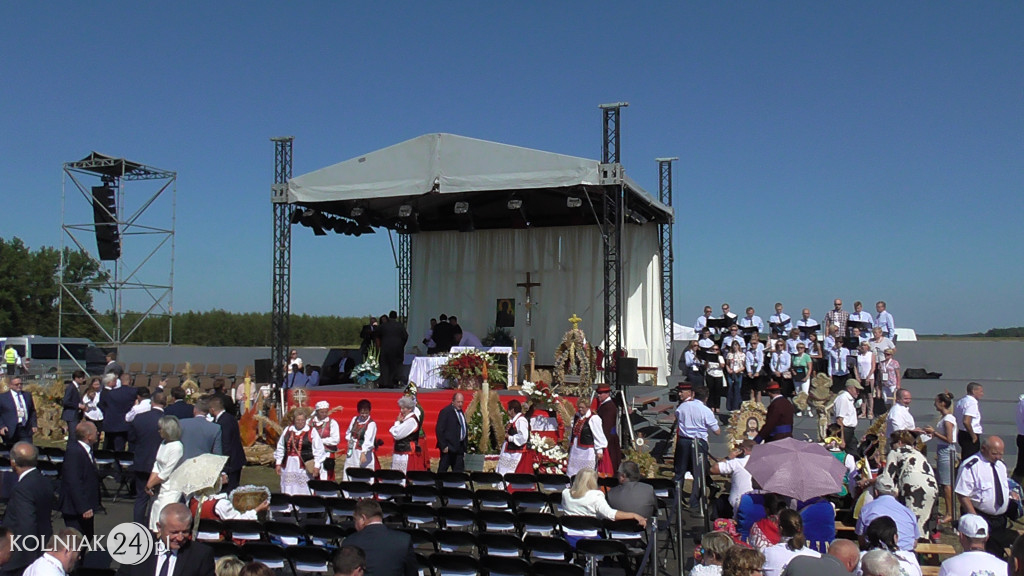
(281, 309)
(404, 276)
(665, 243)
(611, 229)
(133, 235)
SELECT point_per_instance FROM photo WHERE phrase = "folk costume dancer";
(298, 445)
(587, 442)
(362, 440)
(517, 440)
(406, 434)
(608, 410)
(330, 435)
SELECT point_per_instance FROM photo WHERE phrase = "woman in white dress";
(298, 444)
(793, 544)
(406, 432)
(168, 458)
(517, 440)
(362, 438)
(91, 403)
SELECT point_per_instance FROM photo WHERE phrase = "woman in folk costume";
(330, 435)
(587, 441)
(423, 453)
(517, 440)
(298, 444)
(362, 439)
(406, 432)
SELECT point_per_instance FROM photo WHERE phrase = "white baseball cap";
(973, 526)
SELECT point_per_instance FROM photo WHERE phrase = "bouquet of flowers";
(551, 457)
(539, 395)
(468, 370)
(369, 370)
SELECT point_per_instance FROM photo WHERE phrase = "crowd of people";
(897, 495)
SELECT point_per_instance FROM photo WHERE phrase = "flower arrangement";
(551, 456)
(369, 370)
(574, 357)
(539, 395)
(469, 369)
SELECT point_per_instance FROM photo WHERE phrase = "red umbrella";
(801, 470)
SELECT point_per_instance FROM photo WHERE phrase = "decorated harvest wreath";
(574, 357)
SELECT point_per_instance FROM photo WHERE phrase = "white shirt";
(45, 565)
(968, 406)
(973, 563)
(369, 437)
(405, 427)
(1020, 415)
(741, 479)
(522, 428)
(844, 408)
(597, 427)
(168, 556)
(92, 409)
(142, 407)
(333, 431)
(592, 504)
(908, 563)
(470, 339)
(319, 455)
(899, 418)
(225, 511)
(975, 481)
(777, 557)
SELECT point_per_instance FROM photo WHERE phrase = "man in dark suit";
(444, 335)
(451, 436)
(368, 333)
(632, 495)
(115, 402)
(393, 337)
(144, 436)
(199, 435)
(778, 422)
(388, 552)
(112, 366)
(71, 405)
(185, 557)
(79, 482)
(219, 386)
(17, 414)
(28, 511)
(231, 442)
(179, 407)
(6, 543)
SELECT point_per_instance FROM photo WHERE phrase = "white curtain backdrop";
(466, 273)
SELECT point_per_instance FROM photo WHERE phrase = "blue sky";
(868, 150)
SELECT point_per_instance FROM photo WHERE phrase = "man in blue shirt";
(885, 504)
(780, 323)
(884, 321)
(693, 422)
(752, 320)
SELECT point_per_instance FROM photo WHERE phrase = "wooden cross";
(529, 300)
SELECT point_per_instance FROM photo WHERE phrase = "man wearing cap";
(693, 422)
(974, 560)
(587, 442)
(983, 490)
(886, 504)
(968, 420)
(778, 423)
(608, 411)
(330, 435)
(846, 413)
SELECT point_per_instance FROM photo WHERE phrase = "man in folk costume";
(362, 440)
(330, 435)
(778, 423)
(299, 444)
(608, 410)
(587, 442)
(406, 432)
(517, 440)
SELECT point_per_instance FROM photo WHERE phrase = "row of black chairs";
(487, 480)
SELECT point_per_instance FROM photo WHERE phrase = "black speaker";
(264, 370)
(104, 214)
(625, 372)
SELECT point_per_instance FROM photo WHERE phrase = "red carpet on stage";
(385, 409)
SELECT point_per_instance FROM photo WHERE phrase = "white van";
(50, 357)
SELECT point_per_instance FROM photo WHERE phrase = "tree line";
(30, 287)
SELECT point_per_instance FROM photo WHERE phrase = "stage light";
(515, 204)
(573, 202)
(357, 212)
(636, 217)
(404, 211)
(461, 207)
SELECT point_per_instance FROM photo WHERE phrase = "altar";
(424, 371)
